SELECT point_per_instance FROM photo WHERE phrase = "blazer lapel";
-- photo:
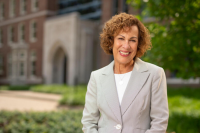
(110, 91)
(138, 77)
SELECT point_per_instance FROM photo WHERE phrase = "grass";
(71, 96)
(56, 89)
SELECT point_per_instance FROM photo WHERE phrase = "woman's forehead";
(132, 29)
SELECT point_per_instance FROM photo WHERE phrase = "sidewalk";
(28, 101)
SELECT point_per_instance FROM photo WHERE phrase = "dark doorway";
(65, 70)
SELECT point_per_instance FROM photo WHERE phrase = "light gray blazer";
(144, 107)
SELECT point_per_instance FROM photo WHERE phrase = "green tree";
(175, 34)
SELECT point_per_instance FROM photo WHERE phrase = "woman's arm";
(90, 113)
(159, 112)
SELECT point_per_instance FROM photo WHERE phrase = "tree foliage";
(175, 34)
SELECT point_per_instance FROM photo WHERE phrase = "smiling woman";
(125, 49)
(129, 95)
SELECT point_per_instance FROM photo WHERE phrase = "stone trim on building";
(27, 17)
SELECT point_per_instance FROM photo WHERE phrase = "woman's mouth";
(123, 53)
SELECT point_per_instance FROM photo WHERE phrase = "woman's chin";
(125, 62)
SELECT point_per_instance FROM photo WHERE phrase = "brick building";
(21, 33)
(27, 56)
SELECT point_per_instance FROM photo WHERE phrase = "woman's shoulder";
(152, 68)
(104, 70)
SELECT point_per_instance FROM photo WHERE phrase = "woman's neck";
(123, 68)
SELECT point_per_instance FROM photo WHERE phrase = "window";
(23, 7)
(1, 37)
(22, 55)
(22, 63)
(33, 70)
(12, 8)
(33, 33)
(2, 10)
(124, 7)
(22, 33)
(115, 7)
(10, 65)
(11, 34)
(33, 63)
(1, 64)
(34, 5)
(21, 68)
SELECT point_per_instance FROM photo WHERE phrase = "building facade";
(68, 49)
(21, 33)
(53, 41)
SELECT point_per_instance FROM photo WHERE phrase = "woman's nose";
(126, 44)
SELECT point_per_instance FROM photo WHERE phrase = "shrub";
(183, 123)
(40, 122)
(184, 107)
(18, 87)
(75, 96)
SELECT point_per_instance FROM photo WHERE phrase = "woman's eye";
(133, 40)
(121, 38)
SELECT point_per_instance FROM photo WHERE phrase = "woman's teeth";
(124, 53)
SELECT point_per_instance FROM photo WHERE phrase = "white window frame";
(1, 38)
(21, 33)
(33, 31)
(33, 57)
(2, 10)
(12, 5)
(23, 4)
(33, 8)
(10, 34)
(1, 65)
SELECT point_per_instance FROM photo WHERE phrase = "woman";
(129, 95)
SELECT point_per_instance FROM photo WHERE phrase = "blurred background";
(48, 49)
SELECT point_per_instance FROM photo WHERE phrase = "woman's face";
(125, 45)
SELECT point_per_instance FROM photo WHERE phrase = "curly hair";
(120, 22)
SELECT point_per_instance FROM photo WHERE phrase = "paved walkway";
(28, 101)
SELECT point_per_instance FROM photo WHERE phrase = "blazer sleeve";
(91, 113)
(159, 112)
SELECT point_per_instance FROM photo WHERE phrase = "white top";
(121, 81)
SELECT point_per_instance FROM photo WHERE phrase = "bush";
(18, 87)
(40, 122)
(183, 123)
(184, 110)
(75, 96)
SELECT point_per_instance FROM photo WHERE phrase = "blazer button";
(118, 126)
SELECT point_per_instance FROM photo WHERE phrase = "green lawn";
(72, 96)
